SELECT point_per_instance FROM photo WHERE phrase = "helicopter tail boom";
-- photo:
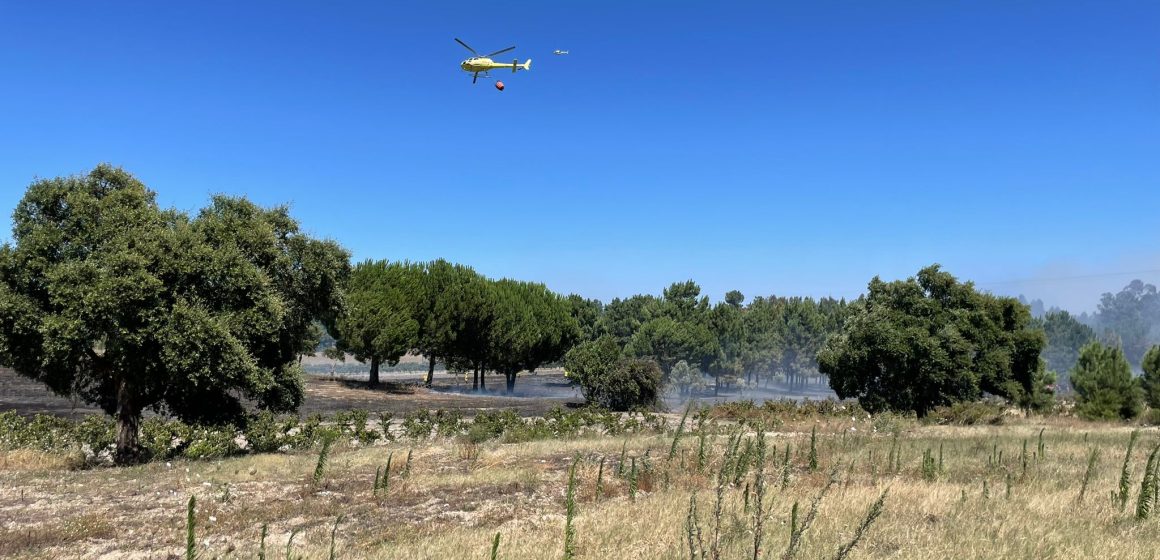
(527, 65)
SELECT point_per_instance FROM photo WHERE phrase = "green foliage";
(1150, 382)
(1121, 497)
(929, 468)
(531, 326)
(106, 297)
(1104, 385)
(381, 319)
(418, 424)
(265, 433)
(1146, 500)
(42, 432)
(490, 424)
(611, 381)
(931, 341)
(212, 443)
(190, 529)
(320, 466)
(98, 433)
(163, 440)
(570, 513)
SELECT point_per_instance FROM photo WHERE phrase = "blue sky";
(772, 147)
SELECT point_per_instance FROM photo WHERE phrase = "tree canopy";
(380, 323)
(109, 298)
(931, 340)
(1104, 384)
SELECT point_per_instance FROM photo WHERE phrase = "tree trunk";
(373, 381)
(482, 379)
(716, 384)
(511, 382)
(128, 426)
(475, 380)
(430, 372)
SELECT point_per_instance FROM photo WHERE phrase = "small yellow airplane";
(482, 64)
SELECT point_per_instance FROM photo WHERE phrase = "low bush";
(164, 439)
(610, 380)
(212, 443)
(99, 433)
(266, 433)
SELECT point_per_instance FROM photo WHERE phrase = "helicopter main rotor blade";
(467, 47)
(499, 52)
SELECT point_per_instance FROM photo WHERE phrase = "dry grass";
(458, 497)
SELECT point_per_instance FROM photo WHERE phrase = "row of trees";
(107, 297)
(448, 312)
(730, 341)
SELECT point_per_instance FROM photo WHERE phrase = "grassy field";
(453, 497)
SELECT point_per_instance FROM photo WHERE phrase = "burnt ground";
(403, 392)
(399, 393)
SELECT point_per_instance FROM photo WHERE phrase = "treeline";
(1129, 319)
(108, 298)
(449, 313)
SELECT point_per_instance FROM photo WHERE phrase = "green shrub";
(212, 443)
(310, 431)
(448, 423)
(491, 424)
(164, 439)
(11, 425)
(610, 380)
(265, 433)
(42, 432)
(418, 424)
(98, 432)
(354, 424)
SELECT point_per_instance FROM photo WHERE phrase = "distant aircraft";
(482, 64)
(559, 52)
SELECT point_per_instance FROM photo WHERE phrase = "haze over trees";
(127, 306)
(1133, 316)
(1065, 337)
(930, 341)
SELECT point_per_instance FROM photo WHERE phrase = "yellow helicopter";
(482, 64)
